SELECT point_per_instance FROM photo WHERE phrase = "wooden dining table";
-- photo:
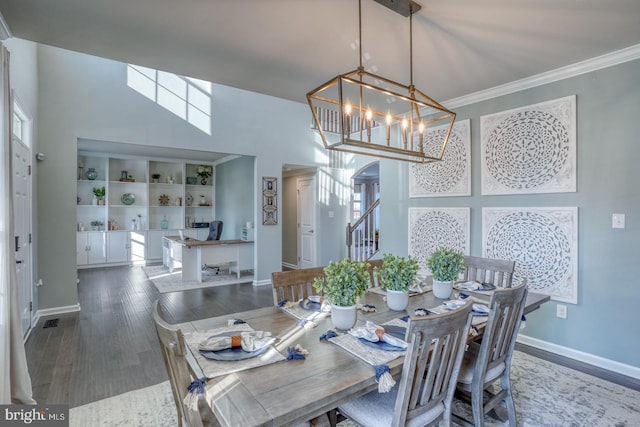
(292, 391)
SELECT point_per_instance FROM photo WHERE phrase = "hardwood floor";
(111, 346)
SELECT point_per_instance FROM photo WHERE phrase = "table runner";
(215, 368)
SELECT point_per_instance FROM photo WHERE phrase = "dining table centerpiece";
(397, 274)
(343, 282)
(445, 264)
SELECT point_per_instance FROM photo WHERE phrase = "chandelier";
(363, 113)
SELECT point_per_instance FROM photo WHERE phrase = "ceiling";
(286, 48)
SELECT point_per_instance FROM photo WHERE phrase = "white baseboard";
(262, 283)
(591, 359)
(291, 266)
(55, 310)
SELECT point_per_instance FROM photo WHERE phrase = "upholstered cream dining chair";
(490, 360)
(497, 272)
(174, 353)
(429, 373)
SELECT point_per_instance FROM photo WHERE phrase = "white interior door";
(306, 223)
(22, 228)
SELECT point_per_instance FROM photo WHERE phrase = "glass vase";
(91, 174)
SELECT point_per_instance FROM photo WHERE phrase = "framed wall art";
(451, 176)
(269, 200)
(530, 149)
(543, 241)
(433, 228)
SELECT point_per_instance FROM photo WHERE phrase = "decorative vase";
(343, 317)
(203, 181)
(94, 201)
(442, 289)
(203, 200)
(164, 224)
(397, 300)
(91, 174)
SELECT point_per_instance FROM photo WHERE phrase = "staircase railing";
(362, 239)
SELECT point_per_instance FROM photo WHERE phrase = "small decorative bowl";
(191, 180)
(128, 199)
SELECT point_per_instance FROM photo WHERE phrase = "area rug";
(166, 281)
(546, 394)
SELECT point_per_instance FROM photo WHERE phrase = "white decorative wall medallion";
(452, 175)
(530, 149)
(433, 228)
(542, 241)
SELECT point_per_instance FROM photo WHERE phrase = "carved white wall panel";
(530, 149)
(452, 175)
(542, 241)
(432, 228)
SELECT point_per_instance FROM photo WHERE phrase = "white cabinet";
(145, 200)
(91, 248)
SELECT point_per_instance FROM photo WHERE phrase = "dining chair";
(424, 393)
(373, 263)
(174, 353)
(498, 272)
(486, 362)
(294, 285)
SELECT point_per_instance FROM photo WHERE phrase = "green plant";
(99, 192)
(446, 264)
(204, 171)
(397, 273)
(344, 281)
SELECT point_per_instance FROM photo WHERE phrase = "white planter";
(397, 300)
(343, 317)
(442, 289)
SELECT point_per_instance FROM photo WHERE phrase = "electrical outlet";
(561, 311)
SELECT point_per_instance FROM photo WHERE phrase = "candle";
(346, 119)
(368, 115)
(388, 119)
(421, 135)
(405, 124)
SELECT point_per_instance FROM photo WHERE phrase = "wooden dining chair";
(174, 353)
(373, 263)
(294, 285)
(498, 272)
(490, 360)
(424, 393)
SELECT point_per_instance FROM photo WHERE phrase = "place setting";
(310, 308)
(233, 348)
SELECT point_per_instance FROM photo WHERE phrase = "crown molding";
(5, 31)
(599, 62)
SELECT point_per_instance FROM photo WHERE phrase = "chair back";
(498, 272)
(215, 230)
(431, 364)
(501, 330)
(174, 354)
(293, 285)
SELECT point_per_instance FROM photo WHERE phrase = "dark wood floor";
(111, 346)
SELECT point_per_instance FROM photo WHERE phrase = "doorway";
(299, 219)
(22, 207)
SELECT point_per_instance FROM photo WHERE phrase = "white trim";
(291, 266)
(262, 282)
(591, 359)
(5, 31)
(56, 310)
(607, 60)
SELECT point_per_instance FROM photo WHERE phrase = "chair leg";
(505, 383)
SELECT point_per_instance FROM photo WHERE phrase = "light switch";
(617, 220)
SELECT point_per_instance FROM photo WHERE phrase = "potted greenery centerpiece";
(397, 275)
(100, 192)
(445, 264)
(343, 282)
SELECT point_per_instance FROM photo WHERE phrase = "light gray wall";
(608, 155)
(234, 185)
(82, 96)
